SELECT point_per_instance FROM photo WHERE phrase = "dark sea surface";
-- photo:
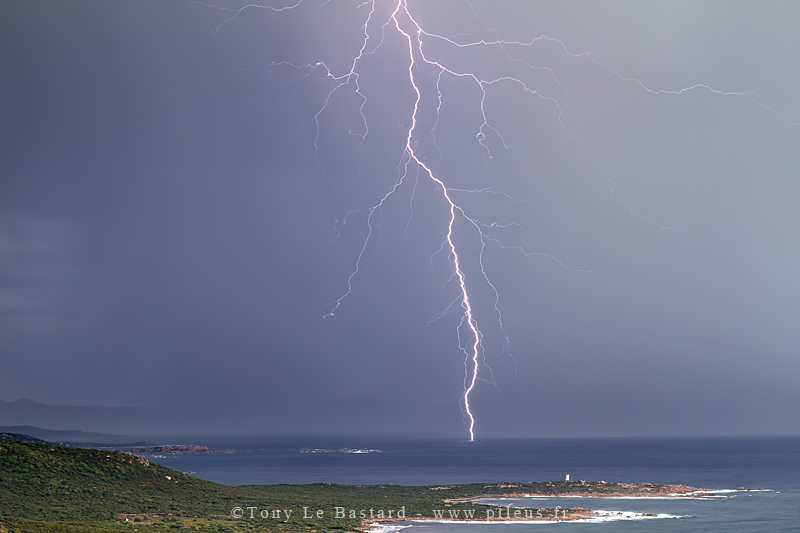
(771, 463)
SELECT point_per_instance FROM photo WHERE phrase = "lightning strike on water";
(414, 35)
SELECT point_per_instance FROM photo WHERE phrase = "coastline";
(584, 489)
(577, 489)
(661, 491)
(154, 495)
(581, 489)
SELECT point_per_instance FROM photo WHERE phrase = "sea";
(728, 464)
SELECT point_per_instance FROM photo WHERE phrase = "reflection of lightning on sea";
(470, 337)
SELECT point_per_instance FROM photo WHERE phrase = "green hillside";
(48, 488)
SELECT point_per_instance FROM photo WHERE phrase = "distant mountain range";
(18, 437)
(45, 436)
(94, 423)
(114, 425)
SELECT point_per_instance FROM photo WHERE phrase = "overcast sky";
(174, 199)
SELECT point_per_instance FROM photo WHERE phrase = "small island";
(338, 450)
(159, 451)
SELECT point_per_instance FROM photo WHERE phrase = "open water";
(770, 463)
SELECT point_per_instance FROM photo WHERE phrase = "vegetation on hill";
(48, 488)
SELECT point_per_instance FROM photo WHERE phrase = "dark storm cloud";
(37, 274)
(168, 239)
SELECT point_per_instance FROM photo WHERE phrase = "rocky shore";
(499, 515)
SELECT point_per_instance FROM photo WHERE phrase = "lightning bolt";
(412, 161)
(472, 346)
